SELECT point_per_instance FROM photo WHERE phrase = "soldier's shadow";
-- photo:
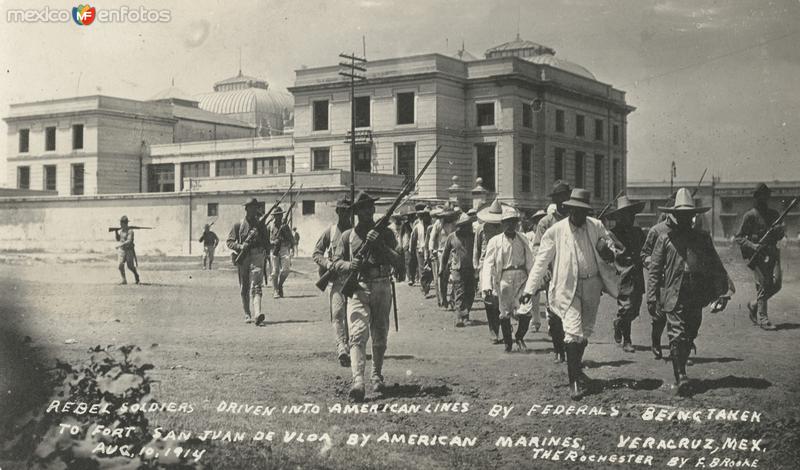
(595, 365)
(697, 387)
(597, 386)
(787, 326)
(414, 391)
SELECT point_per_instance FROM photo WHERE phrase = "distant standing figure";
(210, 240)
(282, 242)
(126, 252)
(296, 236)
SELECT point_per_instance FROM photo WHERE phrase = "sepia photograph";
(383, 234)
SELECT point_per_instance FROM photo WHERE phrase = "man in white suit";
(580, 250)
(504, 272)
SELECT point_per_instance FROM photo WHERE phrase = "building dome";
(538, 54)
(249, 99)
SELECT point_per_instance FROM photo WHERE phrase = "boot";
(136, 276)
(655, 337)
(627, 344)
(679, 366)
(582, 349)
(377, 369)
(260, 317)
(357, 391)
(505, 327)
(246, 305)
(752, 312)
(617, 332)
(556, 331)
(573, 358)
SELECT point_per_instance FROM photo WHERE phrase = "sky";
(716, 84)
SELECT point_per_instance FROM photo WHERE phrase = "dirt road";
(205, 355)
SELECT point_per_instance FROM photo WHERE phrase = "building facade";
(519, 119)
(98, 144)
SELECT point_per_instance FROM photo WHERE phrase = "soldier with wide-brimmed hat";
(457, 266)
(210, 240)
(767, 272)
(419, 248)
(504, 272)
(443, 226)
(687, 269)
(282, 243)
(251, 238)
(630, 267)
(325, 251)
(368, 309)
(489, 218)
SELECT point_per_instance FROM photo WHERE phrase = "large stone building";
(98, 144)
(520, 118)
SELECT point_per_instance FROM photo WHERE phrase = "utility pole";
(353, 75)
(673, 171)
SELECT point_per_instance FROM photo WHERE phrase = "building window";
(580, 127)
(559, 120)
(161, 178)
(269, 166)
(527, 115)
(77, 136)
(558, 172)
(309, 207)
(617, 176)
(320, 159)
(362, 111)
(50, 139)
(363, 158)
(615, 134)
(406, 160)
(598, 129)
(236, 167)
(527, 168)
(321, 115)
(194, 170)
(598, 176)
(50, 177)
(24, 140)
(212, 209)
(24, 177)
(405, 108)
(580, 171)
(76, 186)
(485, 165)
(485, 114)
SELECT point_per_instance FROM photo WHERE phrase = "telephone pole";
(352, 72)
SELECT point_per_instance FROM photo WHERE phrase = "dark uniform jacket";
(378, 264)
(629, 262)
(687, 267)
(239, 232)
(328, 243)
(457, 254)
(650, 242)
(755, 224)
(280, 237)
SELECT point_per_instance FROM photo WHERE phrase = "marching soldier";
(658, 318)
(419, 247)
(686, 265)
(457, 261)
(767, 271)
(488, 228)
(251, 265)
(329, 243)
(578, 249)
(505, 270)
(210, 240)
(368, 309)
(629, 265)
(555, 213)
(126, 251)
(405, 244)
(282, 242)
(530, 234)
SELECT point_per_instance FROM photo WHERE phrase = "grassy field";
(190, 324)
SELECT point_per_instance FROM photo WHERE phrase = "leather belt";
(515, 268)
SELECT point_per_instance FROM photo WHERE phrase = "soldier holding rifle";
(249, 239)
(368, 309)
(761, 230)
(280, 235)
(126, 252)
(329, 243)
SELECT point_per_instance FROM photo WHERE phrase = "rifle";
(261, 220)
(394, 305)
(610, 203)
(758, 255)
(133, 227)
(697, 188)
(351, 283)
